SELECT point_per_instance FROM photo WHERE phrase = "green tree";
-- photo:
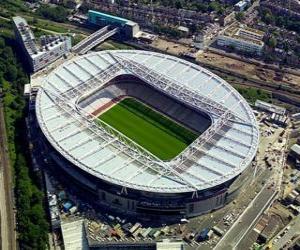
(69, 3)
(239, 16)
(58, 13)
(7, 54)
(272, 42)
(178, 4)
(2, 43)
(11, 72)
(214, 6)
(203, 7)
(32, 225)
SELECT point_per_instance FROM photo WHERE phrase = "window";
(191, 208)
(117, 202)
(103, 196)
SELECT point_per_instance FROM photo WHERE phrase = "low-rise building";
(267, 227)
(39, 56)
(74, 235)
(296, 116)
(146, 37)
(281, 8)
(227, 19)
(183, 29)
(295, 151)
(270, 108)
(168, 244)
(242, 5)
(205, 36)
(278, 119)
(128, 29)
(242, 38)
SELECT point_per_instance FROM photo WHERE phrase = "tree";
(178, 4)
(2, 43)
(84, 7)
(280, 21)
(239, 16)
(193, 28)
(69, 4)
(267, 16)
(202, 7)
(32, 225)
(286, 45)
(7, 54)
(58, 13)
(11, 72)
(214, 6)
(272, 42)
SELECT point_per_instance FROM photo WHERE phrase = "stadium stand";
(123, 86)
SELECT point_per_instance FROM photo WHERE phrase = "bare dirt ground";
(248, 69)
(170, 47)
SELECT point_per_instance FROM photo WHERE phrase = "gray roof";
(74, 235)
(296, 149)
(74, 134)
(26, 35)
(270, 107)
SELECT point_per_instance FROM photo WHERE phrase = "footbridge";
(94, 39)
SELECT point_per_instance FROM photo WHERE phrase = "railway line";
(286, 95)
(8, 233)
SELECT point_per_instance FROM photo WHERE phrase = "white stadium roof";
(110, 157)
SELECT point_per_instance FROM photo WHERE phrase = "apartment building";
(47, 51)
(242, 38)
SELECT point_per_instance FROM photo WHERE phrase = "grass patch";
(6, 28)
(113, 45)
(252, 94)
(153, 131)
(77, 38)
(38, 33)
(9, 7)
(46, 24)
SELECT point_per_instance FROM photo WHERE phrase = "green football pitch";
(150, 129)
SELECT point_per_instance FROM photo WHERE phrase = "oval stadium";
(147, 133)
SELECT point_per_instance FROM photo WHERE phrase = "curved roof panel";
(222, 152)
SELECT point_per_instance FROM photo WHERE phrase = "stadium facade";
(117, 172)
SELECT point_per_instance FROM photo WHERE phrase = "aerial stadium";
(146, 133)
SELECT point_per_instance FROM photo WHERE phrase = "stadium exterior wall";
(135, 202)
(208, 187)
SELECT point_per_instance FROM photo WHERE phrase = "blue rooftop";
(96, 14)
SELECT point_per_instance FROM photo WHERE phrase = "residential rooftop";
(245, 33)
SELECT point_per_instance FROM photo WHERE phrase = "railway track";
(280, 92)
(8, 234)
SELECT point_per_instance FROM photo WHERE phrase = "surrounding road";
(237, 235)
(8, 234)
(246, 221)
